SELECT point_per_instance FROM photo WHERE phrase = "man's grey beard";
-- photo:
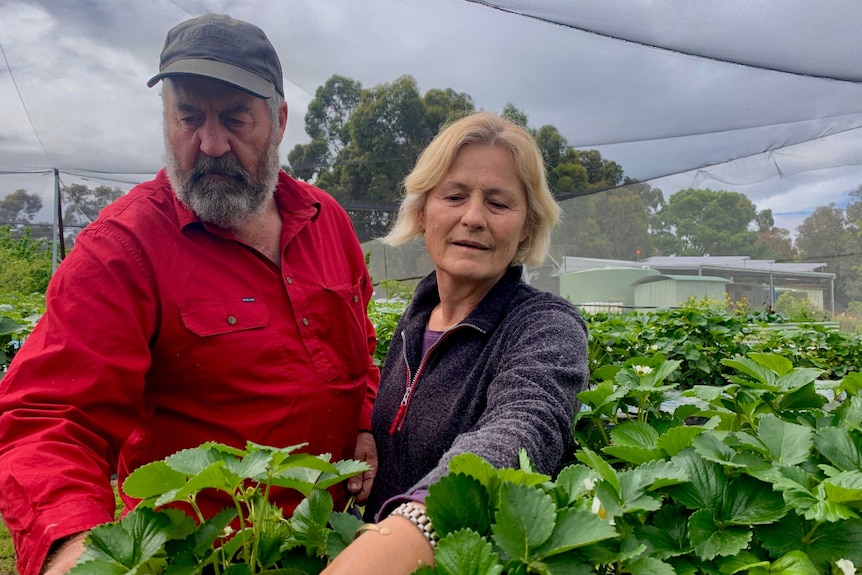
(226, 202)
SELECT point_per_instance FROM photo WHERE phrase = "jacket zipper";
(410, 384)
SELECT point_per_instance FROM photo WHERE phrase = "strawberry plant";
(252, 536)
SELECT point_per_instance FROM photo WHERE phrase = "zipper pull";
(399, 416)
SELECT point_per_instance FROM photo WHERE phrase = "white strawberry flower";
(846, 566)
(642, 370)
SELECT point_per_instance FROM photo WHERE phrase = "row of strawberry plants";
(762, 475)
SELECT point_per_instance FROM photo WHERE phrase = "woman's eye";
(498, 205)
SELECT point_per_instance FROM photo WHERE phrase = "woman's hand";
(393, 547)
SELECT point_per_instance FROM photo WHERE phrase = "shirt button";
(355, 298)
(231, 320)
(305, 321)
(289, 280)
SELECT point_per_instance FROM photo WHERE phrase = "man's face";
(221, 149)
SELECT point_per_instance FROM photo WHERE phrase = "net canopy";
(762, 98)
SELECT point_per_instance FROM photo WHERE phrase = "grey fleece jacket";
(502, 379)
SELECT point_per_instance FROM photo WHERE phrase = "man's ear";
(282, 120)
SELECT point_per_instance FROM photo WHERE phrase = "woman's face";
(474, 219)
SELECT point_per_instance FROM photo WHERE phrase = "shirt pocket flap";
(206, 318)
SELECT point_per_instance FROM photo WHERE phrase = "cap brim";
(242, 79)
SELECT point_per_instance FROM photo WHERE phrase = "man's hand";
(64, 558)
(366, 450)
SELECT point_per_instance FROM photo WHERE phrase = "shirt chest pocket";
(208, 318)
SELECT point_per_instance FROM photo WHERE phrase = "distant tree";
(703, 222)
(19, 207)
(326, 124)
(512, 113)
(775, 244)
(82, 204)
(827, 236)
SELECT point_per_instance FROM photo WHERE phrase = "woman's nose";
(474, 213)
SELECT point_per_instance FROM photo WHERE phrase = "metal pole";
(55, 232)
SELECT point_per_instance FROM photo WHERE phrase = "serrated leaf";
(707, 393)
(794, 563)
(650, 566)
(824, 544)
(763, 376)
(706, 484)
(521, 477)
(566, 565)
(798, 378)
(216, 476)
(524, 462)
(575, 528)
(524, 521)
(573, 480)
(602, 467)
(474, 466)
(310, 518)
(132, 541)
(844, 488)
(804, 398)
(633, 455)
(152, 479)
(457, 502)
(709, 446)
(465, 552)
(841, 447)
(711, 540)
(658, 474)
(603, 393)
(743, 562)
(344, 526)
(776, 363)
(748, 501)
(343, 469)
(634, 434)
(787, 443)
(197, 459)
(678, 438)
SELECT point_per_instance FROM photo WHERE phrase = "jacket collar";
(486, 316)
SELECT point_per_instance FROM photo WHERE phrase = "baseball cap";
(223, 48)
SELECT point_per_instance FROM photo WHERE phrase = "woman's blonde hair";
(482, 128)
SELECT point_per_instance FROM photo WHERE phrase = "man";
(221, 301)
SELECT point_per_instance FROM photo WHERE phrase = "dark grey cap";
(223, 48)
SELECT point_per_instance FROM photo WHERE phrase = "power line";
(23, 105)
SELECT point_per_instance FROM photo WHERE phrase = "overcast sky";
(76, 98)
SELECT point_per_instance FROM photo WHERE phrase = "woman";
(480, 362)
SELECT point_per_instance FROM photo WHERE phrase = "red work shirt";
(161, 333)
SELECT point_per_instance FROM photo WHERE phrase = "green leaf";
(798, 377)
(566, 565)
(457, 502)
(804, 398)
(601, 466)
(521, 477)
(650, 566)
(678, 438)
(153, 479)
(794, 563)
(132, 541)
(465, 552)
(197, 459)
(216, 476)
(575, 528)
(762, 375)
(743, 562)
(666, 533)
(775, 363)
(603, 393)
(844, 488)
(344, 526)
(706, 485)
(573, 480)
(841, 447)
(310, 518)
(788, 444)
(711, 540)
(823, 544)
(748, 501)
(708, 393)
(634, 455)
(474, 466)
(524, 521)
(712, 448)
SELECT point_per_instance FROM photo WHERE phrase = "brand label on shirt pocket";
(206, 318)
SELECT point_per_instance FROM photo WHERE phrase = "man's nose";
(214, 139)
